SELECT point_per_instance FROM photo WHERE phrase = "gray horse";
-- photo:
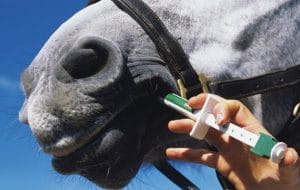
(92, 91)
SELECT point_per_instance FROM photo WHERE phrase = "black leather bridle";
(191, 84)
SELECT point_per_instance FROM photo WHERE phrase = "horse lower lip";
(70, 163)
(90, 155)
(63, 148)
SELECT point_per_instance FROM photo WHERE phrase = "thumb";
(290, 165)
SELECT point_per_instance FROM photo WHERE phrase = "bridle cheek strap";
(167, 46)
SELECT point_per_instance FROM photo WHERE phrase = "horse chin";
(104, 161)
(113, 158)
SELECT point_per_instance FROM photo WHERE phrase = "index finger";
(197, 102)
(182, 126)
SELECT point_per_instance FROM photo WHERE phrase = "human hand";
(234, 159)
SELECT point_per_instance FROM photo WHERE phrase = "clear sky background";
(24, 28)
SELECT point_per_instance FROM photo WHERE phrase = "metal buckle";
(296, 110)
(203, 81)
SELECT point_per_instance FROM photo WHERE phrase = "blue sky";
(24, 28)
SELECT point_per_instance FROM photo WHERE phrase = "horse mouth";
(65, 161)
(109, 158)
(76, 142)
(68, 145)
(104, 142)
(61, 160)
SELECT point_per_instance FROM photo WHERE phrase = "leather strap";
(289, 133)
(176, 60)
(176, 177)
(260, 84)
(167, 46)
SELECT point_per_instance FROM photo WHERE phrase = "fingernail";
(170, 151)
(191, 99)
(187, 106)
(171, 122)
(219, 118)
(219, 113)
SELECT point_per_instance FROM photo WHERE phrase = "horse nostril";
(95, 62)
(82, 63)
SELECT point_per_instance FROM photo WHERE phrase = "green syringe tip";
(183, 103)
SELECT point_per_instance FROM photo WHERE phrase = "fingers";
(201, 156)
(236, 112)
(197, 102)
(291, 158)
(290, 165)
(233, 110)
(183, 126)
(226, 110)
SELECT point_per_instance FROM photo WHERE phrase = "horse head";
(92, 91)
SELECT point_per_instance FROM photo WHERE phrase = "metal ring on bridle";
(296, 110)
